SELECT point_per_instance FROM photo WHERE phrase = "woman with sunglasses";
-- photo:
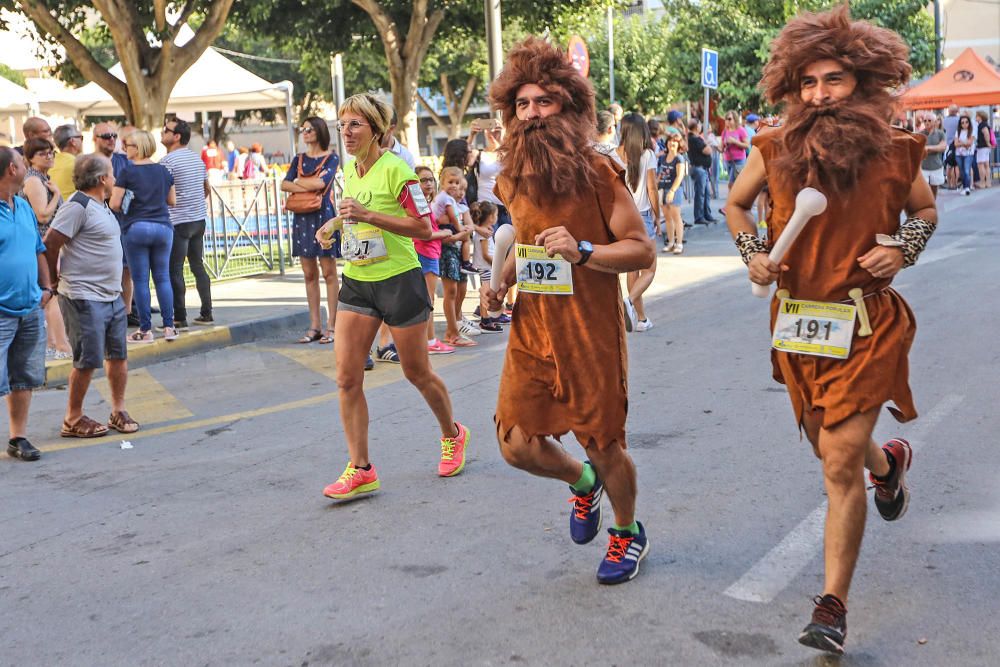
(313, 171)
(44, 196)
(149, 235)
(382, 211)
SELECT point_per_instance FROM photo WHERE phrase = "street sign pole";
(709, 80)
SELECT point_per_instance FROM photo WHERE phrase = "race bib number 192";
(540, 274)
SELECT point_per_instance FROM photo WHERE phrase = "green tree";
(404, 30)
(143, 41)
(742, 30)
(644, 80)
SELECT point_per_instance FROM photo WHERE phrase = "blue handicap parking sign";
(709, 68)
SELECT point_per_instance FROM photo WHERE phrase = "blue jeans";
(702, 210)
(965, 169)
(22, 351)
(148, 245)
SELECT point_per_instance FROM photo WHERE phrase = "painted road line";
(373, 380)
(147, 401)
(772, 574)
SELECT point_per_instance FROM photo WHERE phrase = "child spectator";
(445, 210)
(429, 255)
(484, 215)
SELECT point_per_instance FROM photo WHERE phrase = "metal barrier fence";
(248, 231)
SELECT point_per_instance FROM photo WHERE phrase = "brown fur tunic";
(823, 267)
(566, 361)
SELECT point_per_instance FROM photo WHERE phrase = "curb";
(190, 342)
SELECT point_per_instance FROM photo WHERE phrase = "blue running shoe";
(585, 519)
(625, 550)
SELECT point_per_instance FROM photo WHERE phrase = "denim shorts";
(96, 330)
(647, 217)
(429, 265)
(22, 351)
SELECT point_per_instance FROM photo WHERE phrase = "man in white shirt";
(391, 143)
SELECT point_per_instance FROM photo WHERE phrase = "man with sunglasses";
(105, 140)
(188, 218)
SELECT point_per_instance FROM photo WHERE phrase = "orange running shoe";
(353, 482)
(453, 453)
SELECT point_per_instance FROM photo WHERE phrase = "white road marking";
(772, 574)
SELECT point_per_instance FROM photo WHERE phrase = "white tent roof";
(14, 98)
(213, 83)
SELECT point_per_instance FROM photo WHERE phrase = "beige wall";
(971, 23)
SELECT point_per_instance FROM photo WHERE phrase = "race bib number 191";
(540, 274)
(816, 328)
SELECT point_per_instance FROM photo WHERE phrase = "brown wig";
(546, 156)
(829, 145)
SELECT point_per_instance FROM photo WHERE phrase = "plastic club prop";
(503, 240)
(859, 300)
(808, 203)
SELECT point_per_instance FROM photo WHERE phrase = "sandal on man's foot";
(327, 337)
(122, 422)
(312, 335)
(85, 427)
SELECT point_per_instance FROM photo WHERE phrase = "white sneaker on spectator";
(631, 317)
(467, 328)
(644, 325)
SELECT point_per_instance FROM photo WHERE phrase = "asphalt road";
(209, 542)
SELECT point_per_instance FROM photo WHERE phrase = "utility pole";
(337, 81)
(494, 45)
(611, 53)
(937, 36)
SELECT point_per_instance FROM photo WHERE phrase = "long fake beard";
(548, 156)
(829, 146)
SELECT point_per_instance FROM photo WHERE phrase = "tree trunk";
(405, 56)
(150, 72)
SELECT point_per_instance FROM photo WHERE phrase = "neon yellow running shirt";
(384, 189)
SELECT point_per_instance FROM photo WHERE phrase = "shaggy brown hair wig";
(828, 145)
(546, 156)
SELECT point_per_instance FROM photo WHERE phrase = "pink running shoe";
(353, 482)
(439, 348)
(453, 453)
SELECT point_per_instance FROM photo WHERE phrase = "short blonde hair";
(145, 144)
(375, 111)
(451, 171)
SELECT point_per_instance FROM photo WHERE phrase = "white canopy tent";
(16, 104)
(213, 83)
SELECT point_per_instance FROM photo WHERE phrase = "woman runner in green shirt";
(382, 211)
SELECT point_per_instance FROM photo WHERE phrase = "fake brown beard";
(548, 156)
(828, 146)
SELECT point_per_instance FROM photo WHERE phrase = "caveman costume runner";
(841, 334)
(576, 228)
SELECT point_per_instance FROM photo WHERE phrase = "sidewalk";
(250, 309)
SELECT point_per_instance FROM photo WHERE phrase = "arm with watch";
(632, 249)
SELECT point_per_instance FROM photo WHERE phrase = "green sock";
(587, 479)
(631, 528)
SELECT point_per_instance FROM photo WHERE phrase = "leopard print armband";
(913, 235)
(749, 245)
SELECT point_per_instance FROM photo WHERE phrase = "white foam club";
(809, 202)
(503, 240)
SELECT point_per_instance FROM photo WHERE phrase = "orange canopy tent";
(968, 82)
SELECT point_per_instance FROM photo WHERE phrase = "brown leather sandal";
(85, 427)
(122, 422)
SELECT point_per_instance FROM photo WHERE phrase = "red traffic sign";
(579, 55)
